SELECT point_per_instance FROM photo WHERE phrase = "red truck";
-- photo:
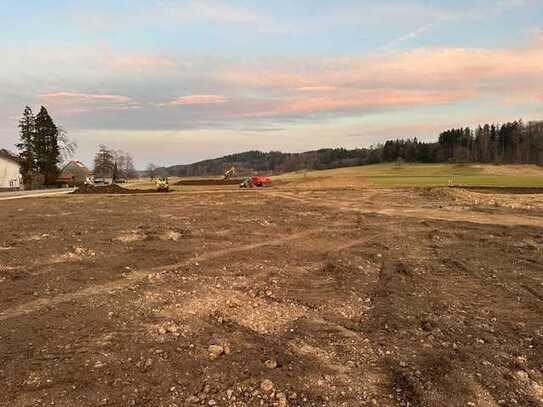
(256, 181)
(259, 181)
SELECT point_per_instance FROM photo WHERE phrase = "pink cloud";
(423, 77)
(269, 76)
(436, 69)
(359, 100)
(321, 88)
(374, 99)
(214, 12)
(72, 97)
(198, 100)
(296, 86)
(74, 102)
(447, 65)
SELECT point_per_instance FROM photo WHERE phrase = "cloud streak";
(351, 101)
(72, 97)
(198, 100)
(76, 103)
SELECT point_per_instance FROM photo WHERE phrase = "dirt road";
(273, 298)
(6, 196)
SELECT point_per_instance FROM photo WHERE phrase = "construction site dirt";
(323, 297)
(208, 182)
(110, 189)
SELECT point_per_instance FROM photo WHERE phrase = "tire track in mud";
(140, 275)
(425, 213)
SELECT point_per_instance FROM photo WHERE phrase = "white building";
(10, 171)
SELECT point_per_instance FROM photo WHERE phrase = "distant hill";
(511, 143)
(276, 162)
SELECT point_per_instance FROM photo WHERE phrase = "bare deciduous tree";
(125, 164)
(67, 147)
(104, 161)
(151, 170)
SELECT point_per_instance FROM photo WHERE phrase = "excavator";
(229, 173)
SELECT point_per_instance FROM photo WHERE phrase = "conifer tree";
(115, 175)
(46, 147)
(27, 134)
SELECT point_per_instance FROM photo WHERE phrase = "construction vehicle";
(246, 183)
(162, 184)
(232, 171)
(256, 181)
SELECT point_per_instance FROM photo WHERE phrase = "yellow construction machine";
(162, 184)
(227, 174)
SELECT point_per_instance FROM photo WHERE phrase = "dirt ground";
(208, 182)
(279, 297)
(111, 189)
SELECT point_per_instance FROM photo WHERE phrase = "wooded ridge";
(510, 143)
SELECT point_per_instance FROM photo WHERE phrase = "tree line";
(43, 146)
(274, 162)
(510, 143)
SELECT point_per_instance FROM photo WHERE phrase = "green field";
(422, 175)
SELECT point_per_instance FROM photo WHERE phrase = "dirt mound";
(504, 190)
(524, 199)
(208, 182)
(110, 189)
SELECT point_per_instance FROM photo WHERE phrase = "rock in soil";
(215, 351)
(266, 385)
(271, 363)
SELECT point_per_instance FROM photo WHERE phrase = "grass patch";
(425, 175)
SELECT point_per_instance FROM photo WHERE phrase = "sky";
(177, 81)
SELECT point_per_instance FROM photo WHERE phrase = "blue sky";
(176, 81)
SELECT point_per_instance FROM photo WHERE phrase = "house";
(10, 171)
(74, 173)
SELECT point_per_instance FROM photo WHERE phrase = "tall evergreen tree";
(47, 150)
(115, 176)
(27, 134)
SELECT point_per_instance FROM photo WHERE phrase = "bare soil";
(504, 190)
(279, 297)
(208, 182)
(110, 189)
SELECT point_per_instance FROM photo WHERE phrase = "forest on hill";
(510, 143)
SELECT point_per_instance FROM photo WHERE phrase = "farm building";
(73, 173)
(10, 171)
